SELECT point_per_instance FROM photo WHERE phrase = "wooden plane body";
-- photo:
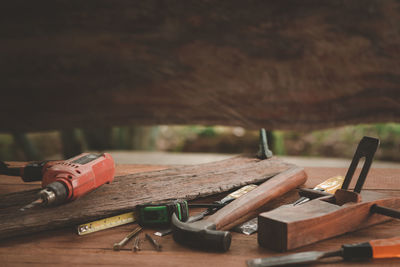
(289, 227)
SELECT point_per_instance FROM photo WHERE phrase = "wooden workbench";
(65, 247)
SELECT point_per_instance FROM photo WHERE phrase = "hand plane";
(326, 215)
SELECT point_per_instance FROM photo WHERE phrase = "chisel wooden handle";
(276, 186)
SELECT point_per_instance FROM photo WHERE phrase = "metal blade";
(292, 259)
(35, 203)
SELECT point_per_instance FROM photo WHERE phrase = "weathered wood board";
(127, 191)
(276, 64)
(66, 248)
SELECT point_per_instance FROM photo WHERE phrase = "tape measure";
(155, 214)
(158, 214)
(106, 223)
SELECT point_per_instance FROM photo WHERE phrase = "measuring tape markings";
(149, 214)
(106, 223)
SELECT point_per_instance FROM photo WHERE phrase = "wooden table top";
(65, 247)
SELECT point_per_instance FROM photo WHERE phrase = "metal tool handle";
(366, 148)
(385, 211)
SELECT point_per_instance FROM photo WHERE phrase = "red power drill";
(66, 180)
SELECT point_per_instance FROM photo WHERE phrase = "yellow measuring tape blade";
(106, 223)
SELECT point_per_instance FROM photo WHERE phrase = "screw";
(156, 245)
(136, 244)
(118, 246)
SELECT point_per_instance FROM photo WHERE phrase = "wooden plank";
(64, 247)
(275, 64)
(127, 191)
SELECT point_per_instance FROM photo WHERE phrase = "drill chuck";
(55, 193)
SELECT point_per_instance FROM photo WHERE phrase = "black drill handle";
(31, 172)
(4, 169)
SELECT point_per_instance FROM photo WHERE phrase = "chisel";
(329, 186)
(375, 249)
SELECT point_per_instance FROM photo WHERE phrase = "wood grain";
(242, 209)
(64, 247)
(273, 64)
(127, 191)
(290, 227)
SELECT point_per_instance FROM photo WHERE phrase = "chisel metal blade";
(292, 259)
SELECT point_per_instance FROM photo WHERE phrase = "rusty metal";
(136, 244)
(154, 242)
(118, 246)
(263, 151)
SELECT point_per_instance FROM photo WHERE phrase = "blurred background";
(328, 143)
(277, 64)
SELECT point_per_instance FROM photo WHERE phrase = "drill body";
(70, 179)
(65, 180)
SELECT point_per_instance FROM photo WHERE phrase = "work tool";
(188, 182)
(207, 234)
(329, 186)
(69, 179)
(106, 223)
(375, 249)
(30, 172)
(136, 244)
(122, 243)
(263, 151)
(149, 214)
(158, 213)
(211, 208)
(326, 215)
(223, 202)
(154, 242)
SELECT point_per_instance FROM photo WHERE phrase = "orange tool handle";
(386, 248)
(376, 249)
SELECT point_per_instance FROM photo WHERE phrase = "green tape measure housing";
(158, 214)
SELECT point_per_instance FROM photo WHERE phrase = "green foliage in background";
(278, 145)
(336, 142)
(342, 141)
(7, 147)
